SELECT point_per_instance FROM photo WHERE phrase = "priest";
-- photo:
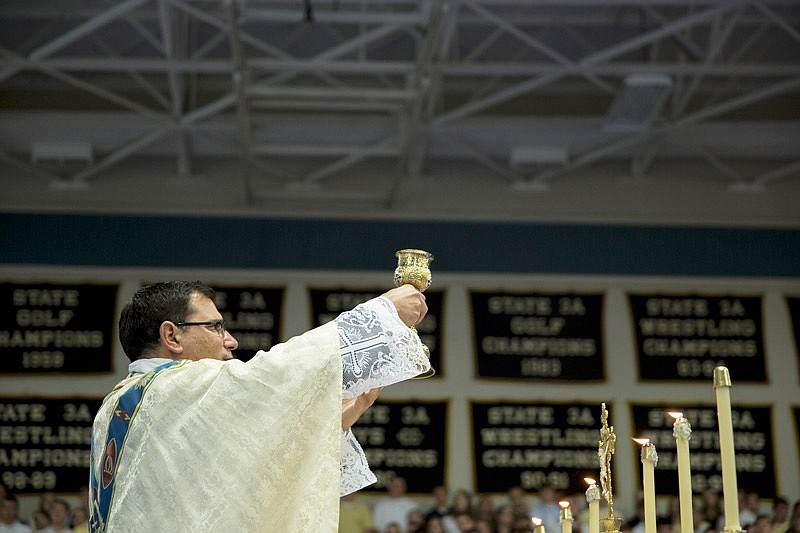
(193, 439)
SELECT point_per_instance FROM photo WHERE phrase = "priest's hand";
(353, 408)
(409, 302)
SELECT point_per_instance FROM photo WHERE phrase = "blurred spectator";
(354, 516)
(394, 507)
(59, 517)
(9, 521)
(780, 515)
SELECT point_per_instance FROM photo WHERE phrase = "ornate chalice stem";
(413, 268)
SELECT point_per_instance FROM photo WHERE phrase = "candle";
(566, 517)
(593, 499)
(649, 460)
(730, 493)
(682, 431)
(538, 527)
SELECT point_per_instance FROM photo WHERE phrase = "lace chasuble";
(256, 446)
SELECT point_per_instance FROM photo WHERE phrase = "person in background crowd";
(59, 517)
(9, 521)
(664, 524)
(394, 507)
(547, 509)
(701, 524)
(484, 510)
(461, 505)
(393, 527)
(762, 524)
(748, 508)
(504, 519)
(465, 522)
(433, 524)
(482, 526)
(674, 513)
(441, 502)
(518, 501)
(40, 520)
(794, 520)
(415, 521)
(635, 524)
(79, 520)
(354, 516)
(712, 508)
(46, 500)
(780, 515)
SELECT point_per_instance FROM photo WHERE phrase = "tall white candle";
(649, 460)
(593, 499)
(682, 431)
(730, 492)
(566, 517)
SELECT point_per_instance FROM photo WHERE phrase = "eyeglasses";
(216, 325)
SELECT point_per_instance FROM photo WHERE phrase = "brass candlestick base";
(413, 268)
(611, 524)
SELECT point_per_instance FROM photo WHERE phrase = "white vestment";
(232, 446)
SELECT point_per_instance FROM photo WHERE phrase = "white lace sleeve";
(355, 472)
(377, 350)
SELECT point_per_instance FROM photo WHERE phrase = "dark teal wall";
(222, 242)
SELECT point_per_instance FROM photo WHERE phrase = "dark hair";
(141, 318)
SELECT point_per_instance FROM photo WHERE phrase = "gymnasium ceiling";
(648, 111)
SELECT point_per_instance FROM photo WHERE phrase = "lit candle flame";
(641, 442)
(564, 504)
(675, 414)
(536, 521)
(590, 481)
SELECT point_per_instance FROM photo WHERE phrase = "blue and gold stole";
(126, 408)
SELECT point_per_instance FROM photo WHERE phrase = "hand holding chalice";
(413, 268)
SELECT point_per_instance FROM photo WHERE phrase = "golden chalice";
(413, 268)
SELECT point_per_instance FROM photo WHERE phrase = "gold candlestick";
(605, 449)
(413, 268)
(538, 526)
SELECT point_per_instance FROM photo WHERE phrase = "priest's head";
(174, 320)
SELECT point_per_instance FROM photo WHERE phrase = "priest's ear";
(170, 338)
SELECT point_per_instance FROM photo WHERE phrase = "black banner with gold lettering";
(538, 336)
(686, 337)
(56, 327)
(45, 443)
(327, 304)
(405, 439)
(529, 444)
(796, 411)
(252, 315)
(752, 438)
(793, 303)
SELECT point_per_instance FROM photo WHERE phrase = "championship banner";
(796, 411)
(405, 439)
(252, 315)
(530, 444)
(752, 441)
(793, 303)
(45, 443)
(56, 327)
(327, 304)
(538, 336)
(686, 337)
